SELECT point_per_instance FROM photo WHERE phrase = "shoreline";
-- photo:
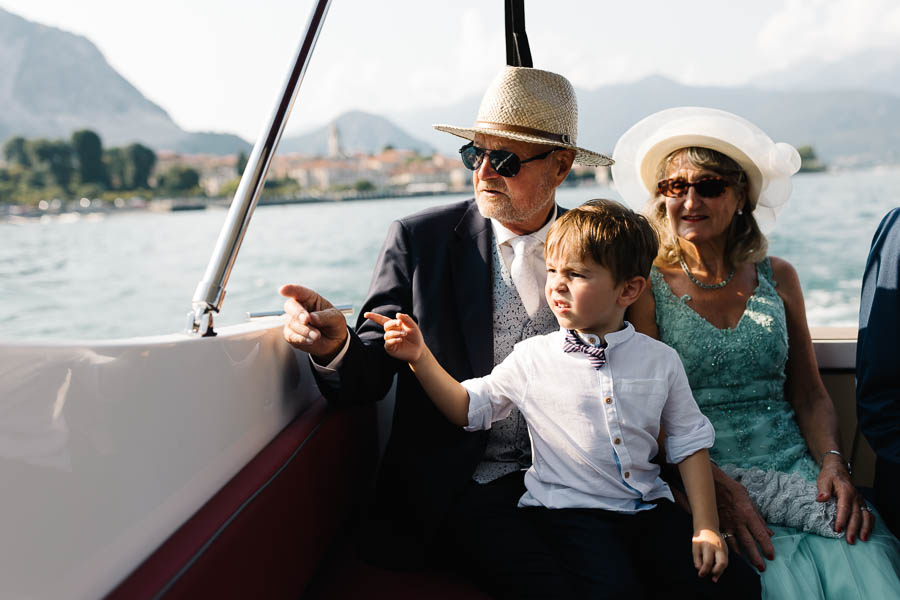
(14, 213)
(24, 213)
(74, 209)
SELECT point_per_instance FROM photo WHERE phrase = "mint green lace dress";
(737, 376)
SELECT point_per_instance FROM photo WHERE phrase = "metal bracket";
(200, 321)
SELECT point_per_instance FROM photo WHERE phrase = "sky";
(218, 65)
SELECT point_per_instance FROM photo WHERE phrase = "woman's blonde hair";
(745, 243)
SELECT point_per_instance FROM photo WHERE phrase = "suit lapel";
(470, 262)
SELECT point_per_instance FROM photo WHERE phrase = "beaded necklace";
(705, 286)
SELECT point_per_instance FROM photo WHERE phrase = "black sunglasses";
(506, 163)
(708, 187)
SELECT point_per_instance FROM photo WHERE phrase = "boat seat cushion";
(266, 532)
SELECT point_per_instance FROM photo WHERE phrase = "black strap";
(518, 53)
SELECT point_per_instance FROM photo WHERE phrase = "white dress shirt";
(593, 432)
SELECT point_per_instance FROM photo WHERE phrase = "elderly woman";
(737, 319)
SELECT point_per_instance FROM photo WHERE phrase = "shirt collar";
(612, 339)
(620, 336)
(503, 235)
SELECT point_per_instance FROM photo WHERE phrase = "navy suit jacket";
(878, 344)
(435, 266)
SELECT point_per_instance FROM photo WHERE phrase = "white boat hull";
(107, 447)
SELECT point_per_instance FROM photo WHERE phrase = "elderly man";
(472, 275)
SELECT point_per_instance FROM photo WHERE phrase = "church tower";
(334, 142)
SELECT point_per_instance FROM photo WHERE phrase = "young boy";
(594, 395)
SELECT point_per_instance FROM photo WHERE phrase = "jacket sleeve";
(366, 372)
(878, 344)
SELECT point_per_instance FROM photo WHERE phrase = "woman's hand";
(739, 517)
(710, 553)
(402, 337)
(852, 510)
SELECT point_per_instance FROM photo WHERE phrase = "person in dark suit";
(878, 366)
(472, 275)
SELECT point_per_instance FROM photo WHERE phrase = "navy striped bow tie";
(573, 343)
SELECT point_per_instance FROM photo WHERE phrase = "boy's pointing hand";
(402, 337)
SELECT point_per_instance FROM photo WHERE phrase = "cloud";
(828, 29)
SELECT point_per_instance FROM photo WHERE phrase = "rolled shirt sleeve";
(687, 429)
(492, 397)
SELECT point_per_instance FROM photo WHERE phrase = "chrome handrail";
(210, 292)
(345, 309)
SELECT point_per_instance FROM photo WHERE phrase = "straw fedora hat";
(530, 105)
(769, 166)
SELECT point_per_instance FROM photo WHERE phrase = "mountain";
(874, 69)
(419, 122)
(359, 132)
(846, 127)
(53, 82)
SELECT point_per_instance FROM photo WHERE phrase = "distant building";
(389, 169)
(334, 142)
(215, 171)
(327, 173)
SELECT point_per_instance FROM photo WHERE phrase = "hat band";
(562, 138)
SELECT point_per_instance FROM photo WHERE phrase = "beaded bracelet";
(844, 460)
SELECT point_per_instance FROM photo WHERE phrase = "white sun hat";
(530, 105)
(769, 166)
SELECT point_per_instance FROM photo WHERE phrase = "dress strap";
(655, 276)
(661, 290)
(764, 270)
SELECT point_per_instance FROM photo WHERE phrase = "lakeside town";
(174, 181)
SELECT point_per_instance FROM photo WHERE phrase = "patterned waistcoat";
(509, 446)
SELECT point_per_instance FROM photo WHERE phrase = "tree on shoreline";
(89, 157)
(15, 151)
(241, 164)
(54, 156)
(139, 163)
(42, 169)
(179, 179)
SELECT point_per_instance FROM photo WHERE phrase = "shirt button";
(627, 474)
(608, 400)
(617, 441)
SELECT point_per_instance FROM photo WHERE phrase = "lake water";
(133, 273)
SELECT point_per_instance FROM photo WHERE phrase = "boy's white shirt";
(576, 414)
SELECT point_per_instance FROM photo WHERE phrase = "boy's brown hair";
(614, 236)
